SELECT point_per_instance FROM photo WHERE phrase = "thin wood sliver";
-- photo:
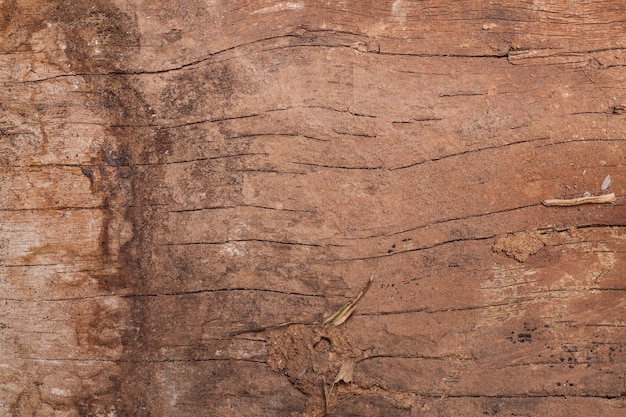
(594, 199)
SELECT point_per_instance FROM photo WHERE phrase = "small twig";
(344, 312)
(326, 396)
(594, 199)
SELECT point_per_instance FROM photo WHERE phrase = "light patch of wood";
(594, 199)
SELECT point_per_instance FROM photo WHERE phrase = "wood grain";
(173, 174)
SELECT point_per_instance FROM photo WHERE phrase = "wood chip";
(597, 199)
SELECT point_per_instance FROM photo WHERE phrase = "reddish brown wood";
(188, 188)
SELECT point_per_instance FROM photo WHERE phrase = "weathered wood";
(188, 189)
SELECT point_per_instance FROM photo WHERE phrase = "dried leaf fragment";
(606, 183)
(597, 199)
(346, 372)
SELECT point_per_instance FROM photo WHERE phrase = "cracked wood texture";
(189, 188)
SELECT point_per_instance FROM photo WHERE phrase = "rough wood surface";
(181, 179)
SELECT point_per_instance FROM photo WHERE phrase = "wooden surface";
(181, 179)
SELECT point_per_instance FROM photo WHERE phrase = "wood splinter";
(344, 312)
(335, 320)
(594, 199)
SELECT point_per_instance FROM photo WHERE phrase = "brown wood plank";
(187, 189)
